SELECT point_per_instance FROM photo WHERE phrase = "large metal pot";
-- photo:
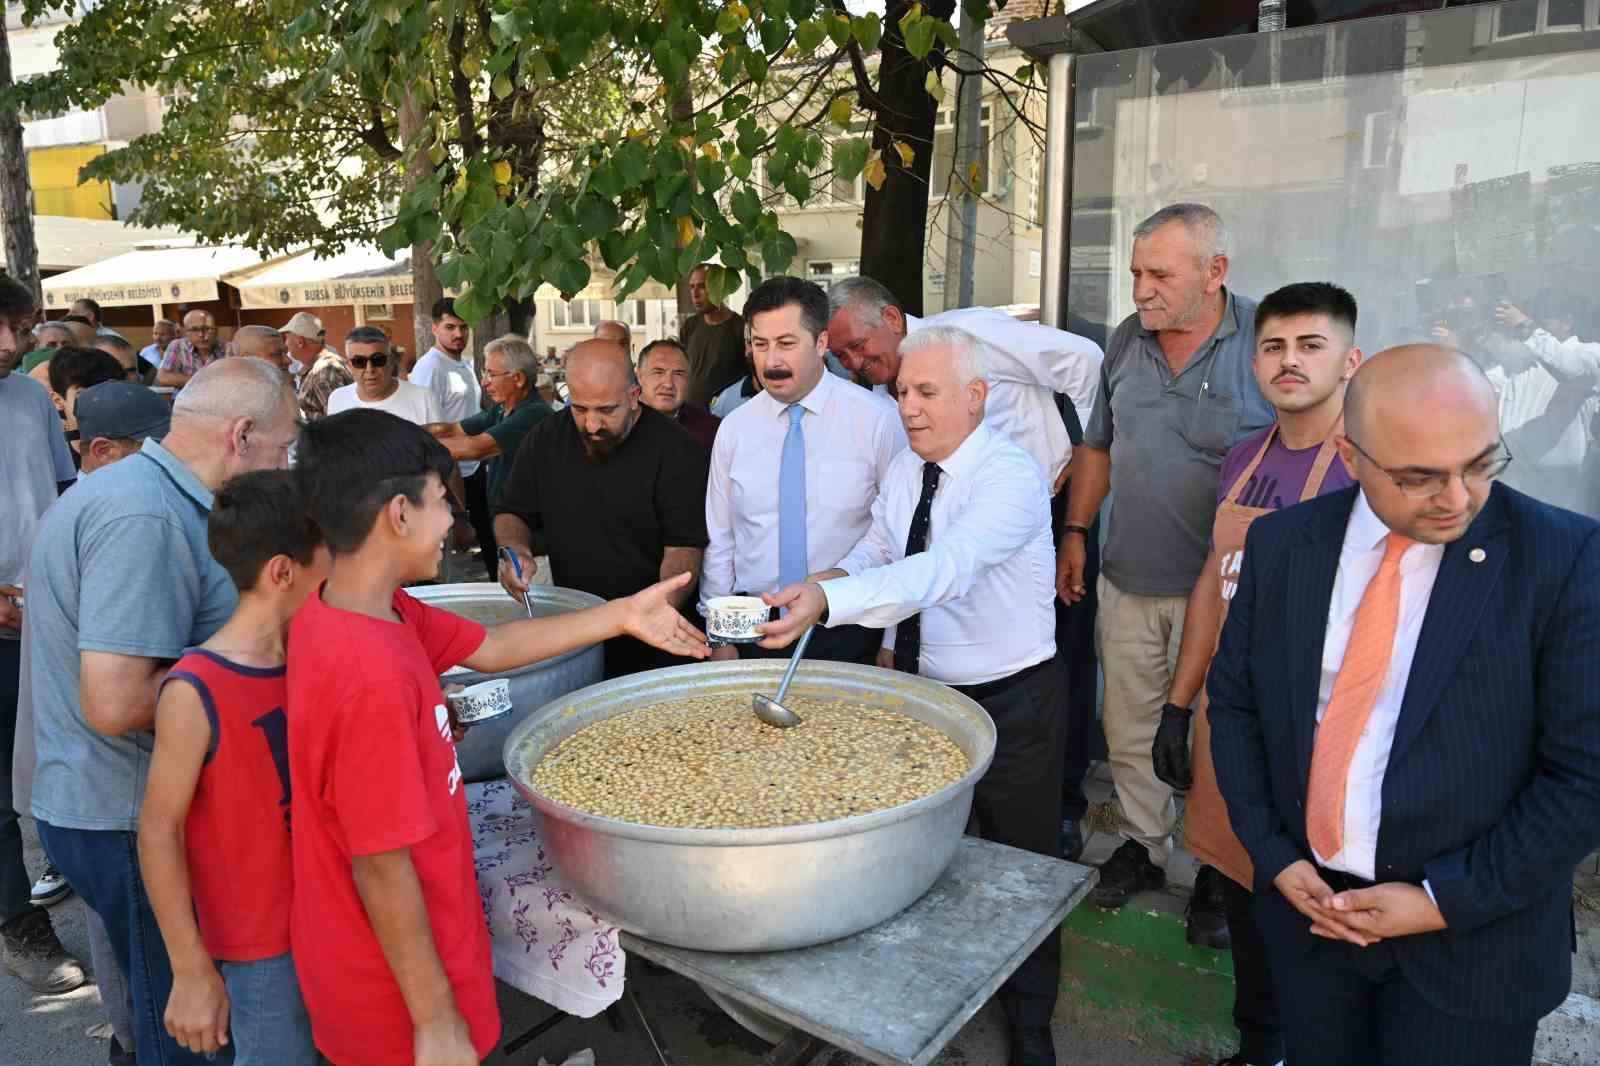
(532, 686)
(755, 889)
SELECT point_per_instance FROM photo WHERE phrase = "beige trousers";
(1137, 639)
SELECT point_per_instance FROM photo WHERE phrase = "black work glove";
(1170, 752)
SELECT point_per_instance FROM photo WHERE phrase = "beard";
(597, 447)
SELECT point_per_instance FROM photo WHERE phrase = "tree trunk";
(16, 192)
(895, 217)
(424, 276)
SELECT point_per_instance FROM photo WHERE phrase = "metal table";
(897, 993)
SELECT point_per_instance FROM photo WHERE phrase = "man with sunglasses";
(198, 347)
(1405, 714)
(366, 350)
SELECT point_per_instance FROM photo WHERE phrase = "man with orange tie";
(1405, 711)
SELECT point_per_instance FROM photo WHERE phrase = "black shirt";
(606, 524)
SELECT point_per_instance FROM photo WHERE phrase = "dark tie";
(908, 637)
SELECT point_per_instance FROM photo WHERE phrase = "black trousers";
(1075, 652)
(15, 887)
(483, 519)
(1255, 1004)
(839, 644)
(1018, 803)
(1348, 1006)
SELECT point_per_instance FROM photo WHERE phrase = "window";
(823, 271)
(1516, 20)
(944, 153)
(576, 314)
(1527, 17)
(1378, 139)
(1035, 186)
(633, 313)
(1564, 15)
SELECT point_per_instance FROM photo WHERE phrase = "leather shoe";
(1071, 840)
(1208, 914)
(1032, 1045)
(1126, 873)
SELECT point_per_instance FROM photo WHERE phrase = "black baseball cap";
(119, 410)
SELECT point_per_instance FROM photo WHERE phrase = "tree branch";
(376, 134)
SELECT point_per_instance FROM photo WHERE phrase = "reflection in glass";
(1444, 167)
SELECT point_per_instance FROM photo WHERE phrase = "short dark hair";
(15, 299)
(255, 517)
(350, 466)
(92, 305)
(80, 319)
(444, 305)
(779, 292)
(664, 342)
(367, 335)
(83, 367)
(1309, 298)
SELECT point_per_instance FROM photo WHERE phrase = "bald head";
(600, 362)
(1422, 433)
(612, 330)
(1416, 382)
(262, 342)
(602, 394)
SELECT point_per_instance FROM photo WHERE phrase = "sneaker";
(50, 888)
(1128, 872)
(1208, 914)
(30, 950)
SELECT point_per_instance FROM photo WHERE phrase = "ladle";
(771, 709)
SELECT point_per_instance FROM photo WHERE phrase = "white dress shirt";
(986, 583)
(1358, 564)
(456, 385)
(410, 402)
(851, 436)
(1028, 364)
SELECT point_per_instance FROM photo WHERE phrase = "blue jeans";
(103, 867)
(268, 1019)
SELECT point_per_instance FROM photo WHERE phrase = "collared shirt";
(120, 565)
(184, 358)
(1363, 550)
(34, 461)
(851, 436)
(508, 431)
(456, 384)
(986, 583)
(1567, 359)
(1028, 364)
(1167, 434)
(734, 396)
(152, 354)
(699, 423)
(328, 374)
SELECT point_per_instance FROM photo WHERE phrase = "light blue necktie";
(792, 502)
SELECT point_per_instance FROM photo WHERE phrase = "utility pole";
(16, 192)
(961, 198)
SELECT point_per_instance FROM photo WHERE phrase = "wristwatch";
(1084, 530)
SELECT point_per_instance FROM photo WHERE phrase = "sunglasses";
(360, 361)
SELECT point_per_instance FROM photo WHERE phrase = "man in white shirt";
(960, 561)
(448, 371)
(367, 351)
(1028, 364)
(795, 471)
(1404, 705)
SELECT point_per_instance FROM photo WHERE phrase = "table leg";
(656, 1044)
(796, 1049)
(514, 1046)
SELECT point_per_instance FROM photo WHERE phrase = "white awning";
(149, 276)
(361, 274)
(67, 243)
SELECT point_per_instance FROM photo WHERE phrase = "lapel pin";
(1477, 555)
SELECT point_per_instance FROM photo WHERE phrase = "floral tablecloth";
(546, 942)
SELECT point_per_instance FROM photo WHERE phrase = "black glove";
(1170, 752)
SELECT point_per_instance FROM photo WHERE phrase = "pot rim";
(550, 595)
(819, 671)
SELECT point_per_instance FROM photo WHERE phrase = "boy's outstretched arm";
(392, 896)
(197, 1009)
(648, 616)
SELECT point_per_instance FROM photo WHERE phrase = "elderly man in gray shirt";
(121, 581)
(1176, 392)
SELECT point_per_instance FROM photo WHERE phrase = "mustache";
(1289, 375)
(778, 375)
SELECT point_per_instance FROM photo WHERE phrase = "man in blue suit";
(1405, 710)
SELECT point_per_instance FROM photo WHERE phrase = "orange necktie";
(1355, 690)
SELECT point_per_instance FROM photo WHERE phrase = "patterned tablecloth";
(546, 942)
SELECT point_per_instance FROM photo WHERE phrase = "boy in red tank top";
(214, 828)
(389, 937)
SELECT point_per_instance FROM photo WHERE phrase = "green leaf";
(774, 34)
(605, 180)
(812, 151)
(850, 157)
(838, 27)
(919, 37)
(632, 163)
(746, 206)
(867, 30)
(597, 216)
(393, 238)
(710, 174)
(777, 252)
(947, 33)
(667, 188)
(728, 23)
(569, 276)
(501, 87)
(934, 86)
(977, 10)
(755, 65)
(840, 112)
(721, 283)
(741, 167)
(808, 35)
(798, 185)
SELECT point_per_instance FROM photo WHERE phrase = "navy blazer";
(1492, 792)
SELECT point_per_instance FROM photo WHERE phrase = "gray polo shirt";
(121, 565)
(34, 460)
(1167, 436)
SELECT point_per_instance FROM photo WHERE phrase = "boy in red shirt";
(389, 934)
(214, 829)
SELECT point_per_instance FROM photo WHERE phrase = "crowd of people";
(1369, 666)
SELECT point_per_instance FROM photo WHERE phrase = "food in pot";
(494, 609)
(709, 763)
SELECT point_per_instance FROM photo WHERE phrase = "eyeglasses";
(1420, 484)
(200, 329)
(360, 361)
(497, 373)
